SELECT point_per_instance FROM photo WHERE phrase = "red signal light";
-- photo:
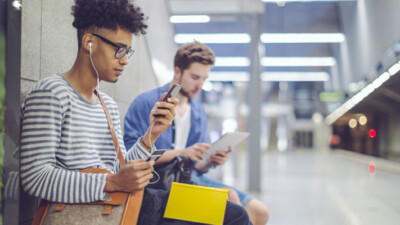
(372, 133)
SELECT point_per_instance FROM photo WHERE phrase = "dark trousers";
(155, 201)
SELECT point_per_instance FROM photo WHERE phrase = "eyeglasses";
(121, 50)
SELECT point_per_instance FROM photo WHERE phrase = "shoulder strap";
(110, 124)
(135, 199)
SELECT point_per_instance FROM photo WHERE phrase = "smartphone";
(171, 93)
(155, 155)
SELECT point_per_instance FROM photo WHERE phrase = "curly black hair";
(109, 14)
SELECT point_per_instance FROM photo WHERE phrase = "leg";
(258, 212)
(233, 196)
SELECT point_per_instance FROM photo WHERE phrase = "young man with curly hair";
(187, 135)
(65, 130)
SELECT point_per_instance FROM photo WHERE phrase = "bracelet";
(144, 144)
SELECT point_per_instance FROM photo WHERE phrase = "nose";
(124, 60)
(200, 84)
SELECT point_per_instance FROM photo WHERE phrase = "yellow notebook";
(196, 203)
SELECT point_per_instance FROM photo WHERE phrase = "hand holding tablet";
(227, 140)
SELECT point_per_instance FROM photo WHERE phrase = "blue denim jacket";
(136, 120)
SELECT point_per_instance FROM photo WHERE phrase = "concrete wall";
(49, 46)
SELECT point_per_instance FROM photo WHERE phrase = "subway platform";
(310, 187)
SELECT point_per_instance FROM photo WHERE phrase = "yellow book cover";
(196, 203)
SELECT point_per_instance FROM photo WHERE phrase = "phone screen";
(171, 93)
(155, 155)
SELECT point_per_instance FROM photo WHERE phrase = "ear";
(86, 39)
(177, 73)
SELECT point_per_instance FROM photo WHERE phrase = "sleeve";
(40, 139)
(136, 121)
(137, 151)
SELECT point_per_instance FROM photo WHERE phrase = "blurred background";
(315, 82)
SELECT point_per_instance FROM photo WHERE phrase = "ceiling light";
(297, 61)
(189, 19)
(295, 76)
(228, 76)
(302, 38)
(220, 38)
(232, 61)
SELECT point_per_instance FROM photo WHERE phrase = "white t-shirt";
(182, 128)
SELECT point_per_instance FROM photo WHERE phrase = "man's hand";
(196, 151)
(165, 112)
(220, 157)
(135, 175)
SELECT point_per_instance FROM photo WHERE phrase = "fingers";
(164, 108)
(202, 147)
(141, 164)
(222, 153)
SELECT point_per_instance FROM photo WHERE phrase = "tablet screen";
(228, 139)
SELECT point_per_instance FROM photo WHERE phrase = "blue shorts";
(199, 179)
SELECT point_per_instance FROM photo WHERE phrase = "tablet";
(228, 139)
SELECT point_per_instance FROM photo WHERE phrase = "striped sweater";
(63, 133)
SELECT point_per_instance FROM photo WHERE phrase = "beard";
(184, 93)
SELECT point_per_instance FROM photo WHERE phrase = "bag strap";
(111, 125)
(134, 199)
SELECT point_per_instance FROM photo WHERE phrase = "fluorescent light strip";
(394, 69)
(228, 76)
(353, 101)
(220, 38)
(232, 61)
(302, 38)
(297, 61)
(270, 76)
(189, 19)
(295, 76)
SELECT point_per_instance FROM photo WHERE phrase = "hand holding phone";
(171, 93)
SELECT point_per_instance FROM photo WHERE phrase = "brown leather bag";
(118, 208)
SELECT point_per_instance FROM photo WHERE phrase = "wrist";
(110, 185)
(144, 144)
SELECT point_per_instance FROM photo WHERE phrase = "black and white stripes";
(63, 133)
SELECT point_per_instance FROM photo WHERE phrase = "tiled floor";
(332, 187)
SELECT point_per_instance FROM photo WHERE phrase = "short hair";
(90, 15)
(193, 52)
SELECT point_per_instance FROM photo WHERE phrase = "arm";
(195, 152)
(137, 173)
(135, 121)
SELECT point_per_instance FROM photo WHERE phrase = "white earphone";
(91, 60)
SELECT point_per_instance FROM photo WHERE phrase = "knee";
(233, 196)
(258, 212)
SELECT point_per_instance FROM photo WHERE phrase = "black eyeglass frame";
(128, 51)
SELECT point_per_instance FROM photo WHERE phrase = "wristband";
(144, 144)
